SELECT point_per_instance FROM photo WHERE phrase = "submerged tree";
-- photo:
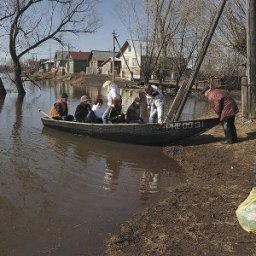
(4, 15)
(34, 22)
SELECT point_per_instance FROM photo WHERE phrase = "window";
(129, 48)
(126, 61)
(134, 62)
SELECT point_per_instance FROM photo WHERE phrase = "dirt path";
(198, 217)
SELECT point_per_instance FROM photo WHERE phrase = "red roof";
(79, 55)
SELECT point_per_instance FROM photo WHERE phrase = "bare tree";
(184, 46)
(227, 53)
(232, 28)
(151, 23)
(34, 22)
(5, 13)
(169, 32)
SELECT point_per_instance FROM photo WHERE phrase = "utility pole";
(114, 51)
(50, 54)
(68, 59)
(251, 57)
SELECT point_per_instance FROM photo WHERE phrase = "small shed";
(72, 62)
(77, 61)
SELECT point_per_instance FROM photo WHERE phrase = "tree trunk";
(17, 77)
(2, 89)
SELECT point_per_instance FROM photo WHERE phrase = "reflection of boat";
(144, 134)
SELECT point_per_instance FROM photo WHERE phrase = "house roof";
(73, 55)
(139, 46)
(123, 48)
(80, 55)
(101, 55)
(110, 59)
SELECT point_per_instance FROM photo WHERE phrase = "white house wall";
(133, 61)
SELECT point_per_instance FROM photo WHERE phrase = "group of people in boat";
(220, 100)
(112, 113)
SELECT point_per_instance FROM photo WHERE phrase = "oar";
(246, 213)
(41, 111)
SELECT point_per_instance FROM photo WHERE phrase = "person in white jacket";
(98, 108)
(155, 101)
(113, 92)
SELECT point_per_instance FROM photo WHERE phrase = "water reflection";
(18, 116)
(2, 98)
(111, 159)
(148, 183)
(111, 175)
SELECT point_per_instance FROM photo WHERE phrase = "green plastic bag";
(246, 212)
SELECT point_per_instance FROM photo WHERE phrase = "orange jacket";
(59, 108)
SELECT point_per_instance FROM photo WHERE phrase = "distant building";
(71, 62)
(99, 59)
(45, 65)
(130, 55)
(60, 60)
(133, 53)
(106, 67)
(78, 61)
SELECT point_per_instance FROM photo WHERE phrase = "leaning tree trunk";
(2, 89)
(17, 77)
(16, 62)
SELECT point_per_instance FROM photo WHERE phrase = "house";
(78, 61)
(133, 53)
(99, 58)
(60, 59)
(45, 65)
(106, 66)
(72, 62)
(130, 55)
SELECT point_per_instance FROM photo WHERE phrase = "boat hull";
(144, 134)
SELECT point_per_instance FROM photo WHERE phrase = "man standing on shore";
(226, 108)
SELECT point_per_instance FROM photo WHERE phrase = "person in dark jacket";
(226, 109)
(83, 111)
(114, 114)
(59, 110)
(133, 112)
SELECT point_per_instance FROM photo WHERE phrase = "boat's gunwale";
(143, 134)
(129, 124)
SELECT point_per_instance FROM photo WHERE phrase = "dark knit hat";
(137, 99)
(64, 95)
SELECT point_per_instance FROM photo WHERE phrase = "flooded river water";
(62, 194)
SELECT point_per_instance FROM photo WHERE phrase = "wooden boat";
(144, 134)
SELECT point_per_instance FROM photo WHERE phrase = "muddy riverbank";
(82, 79)
(198, 217)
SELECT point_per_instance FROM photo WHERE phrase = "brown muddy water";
(62, 194)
